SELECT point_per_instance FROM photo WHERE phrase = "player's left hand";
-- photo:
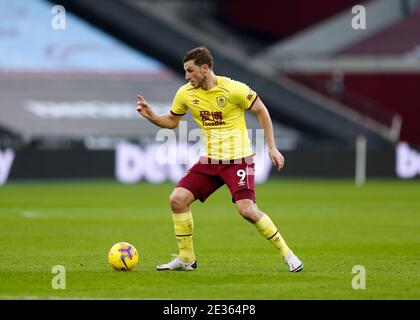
(276, 158)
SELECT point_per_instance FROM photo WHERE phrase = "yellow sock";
(183, 225)
(267, 228)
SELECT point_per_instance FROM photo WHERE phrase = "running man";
(218, 107)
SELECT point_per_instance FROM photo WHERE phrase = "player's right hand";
(143, 107)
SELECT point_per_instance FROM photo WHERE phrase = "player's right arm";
(169, 121)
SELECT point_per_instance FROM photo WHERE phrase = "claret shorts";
(207, 175)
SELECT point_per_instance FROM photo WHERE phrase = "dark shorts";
(207, 175)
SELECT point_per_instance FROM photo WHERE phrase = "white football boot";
(295, 265)
(177, 264)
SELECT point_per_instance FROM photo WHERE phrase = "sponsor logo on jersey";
(250, 94)
(211, 119)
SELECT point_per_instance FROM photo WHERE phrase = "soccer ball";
(123, 256)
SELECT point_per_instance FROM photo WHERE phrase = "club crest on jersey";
(221, 101)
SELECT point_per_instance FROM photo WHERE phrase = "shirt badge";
(221, 101)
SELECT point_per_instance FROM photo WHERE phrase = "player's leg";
(180, 200)
(196, 184)
(265, 226)
(240, 180)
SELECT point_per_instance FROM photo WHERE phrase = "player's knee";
(248, 210)
(178, 202)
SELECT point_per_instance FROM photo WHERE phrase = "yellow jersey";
(220, 114)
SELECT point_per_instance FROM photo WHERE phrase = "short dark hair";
(200, 55)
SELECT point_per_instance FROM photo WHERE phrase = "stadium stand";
(75, 89)
(374, 71)
(80, 87)
(138, 23)
(393, 86)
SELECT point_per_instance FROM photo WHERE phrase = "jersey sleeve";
(245, 96)
(179, 107)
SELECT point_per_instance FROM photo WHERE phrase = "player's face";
(196, 75)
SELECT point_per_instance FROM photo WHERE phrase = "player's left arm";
(264, 118)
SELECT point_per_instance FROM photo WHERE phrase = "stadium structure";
(343, 99)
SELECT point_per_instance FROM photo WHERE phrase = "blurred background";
(341, 82)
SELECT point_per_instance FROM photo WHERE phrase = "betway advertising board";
(131, 163)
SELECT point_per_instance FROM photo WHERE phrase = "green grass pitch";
(332, 225)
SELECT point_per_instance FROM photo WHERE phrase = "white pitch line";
(30, 214)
